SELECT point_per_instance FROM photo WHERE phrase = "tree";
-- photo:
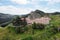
(24, 22)
(34, 25)
(19, 24)
(38, 26)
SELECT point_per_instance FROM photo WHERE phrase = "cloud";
(49, 2)
(47, 9)
(13, 10)
(20, 11)
(20, 1)
(52, 2)
(36, 2)
(52, 10)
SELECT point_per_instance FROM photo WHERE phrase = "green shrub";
(38, 26)
(28, 38)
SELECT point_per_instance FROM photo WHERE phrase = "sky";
(20, 7)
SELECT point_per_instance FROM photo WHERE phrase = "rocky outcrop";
(36, 14)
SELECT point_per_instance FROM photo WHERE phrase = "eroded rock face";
(42, 20)
(36, 14)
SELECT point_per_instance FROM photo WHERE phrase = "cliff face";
(42, 20)
(38, 16)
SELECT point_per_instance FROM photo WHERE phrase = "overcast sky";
(25, 6)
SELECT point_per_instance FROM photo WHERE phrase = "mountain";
(5, 18)
(39, 13)
(55, 13)
(35, 14)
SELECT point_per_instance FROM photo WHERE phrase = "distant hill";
(54, 13)
(5, 18)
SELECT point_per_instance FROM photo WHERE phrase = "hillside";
(5, 18)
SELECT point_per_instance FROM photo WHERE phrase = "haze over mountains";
(4, 18)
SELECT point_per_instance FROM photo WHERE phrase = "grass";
(6, 33)
(9, 32)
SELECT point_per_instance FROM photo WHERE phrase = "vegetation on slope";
(50, 32)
